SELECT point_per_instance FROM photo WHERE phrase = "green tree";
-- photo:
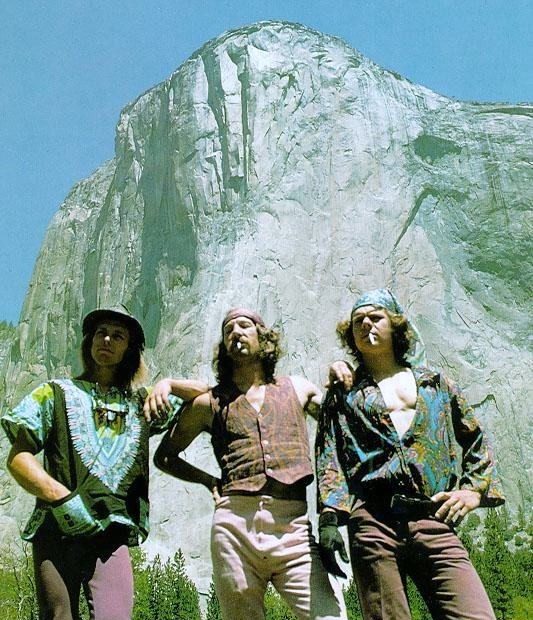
(468, 533)
(522, 608)
(419, 610)
(17, 586)
(213, 605)
(522, 584)
(163, 591)
(141, 584)
(351, 599)
(521, 525)
(524, 508)
(495, 564)
(275, 607)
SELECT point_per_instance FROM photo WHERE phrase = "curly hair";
(131, 372)
(401, 337)
(269, 353)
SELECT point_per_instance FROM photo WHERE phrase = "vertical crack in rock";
(216, 102)
(413, 213)
(168, 239)
(240, 58)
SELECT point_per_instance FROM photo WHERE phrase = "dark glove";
(329, 541)
(73, 518)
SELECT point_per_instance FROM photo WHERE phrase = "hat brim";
(107, 314)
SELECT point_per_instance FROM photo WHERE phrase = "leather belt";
(412, 507)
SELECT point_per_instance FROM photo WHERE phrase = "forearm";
(158, 402)
(33, 478)
(187, 389)
(179, 468)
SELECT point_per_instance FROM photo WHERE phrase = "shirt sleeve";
(32, 418)
(479, 471)
(332, 485)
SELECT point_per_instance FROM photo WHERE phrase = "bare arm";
(309, 395)
(157, 401)
(31, 476)
(194, 419)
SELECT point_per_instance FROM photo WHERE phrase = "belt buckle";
(404, 505)
(399, 504)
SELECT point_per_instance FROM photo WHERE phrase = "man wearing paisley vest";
(261, 532)
(92, 487)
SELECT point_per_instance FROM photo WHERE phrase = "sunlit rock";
(280, 169)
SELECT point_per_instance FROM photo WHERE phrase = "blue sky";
(67, 68)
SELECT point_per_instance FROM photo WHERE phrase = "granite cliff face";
(280, 169)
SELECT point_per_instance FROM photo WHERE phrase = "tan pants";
(258, 539)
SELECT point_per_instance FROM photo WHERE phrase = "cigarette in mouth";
(239, 345)
(372, 338)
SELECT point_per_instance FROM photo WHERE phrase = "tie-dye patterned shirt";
(359, 453)
(93, 443)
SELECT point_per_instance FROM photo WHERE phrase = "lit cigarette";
(372, 338)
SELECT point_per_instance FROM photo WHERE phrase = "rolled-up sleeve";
(31, 420)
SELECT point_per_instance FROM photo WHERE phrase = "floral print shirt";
(359, 453)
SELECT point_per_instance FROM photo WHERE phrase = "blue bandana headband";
(381, 298)
(384, 298)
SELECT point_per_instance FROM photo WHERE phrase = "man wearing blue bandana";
(92, 488)
(401, 460)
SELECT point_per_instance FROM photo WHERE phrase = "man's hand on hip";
(455, 505)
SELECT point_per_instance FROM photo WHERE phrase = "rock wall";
(281, 169)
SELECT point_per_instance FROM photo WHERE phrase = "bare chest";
(256, 396)
(399, 393)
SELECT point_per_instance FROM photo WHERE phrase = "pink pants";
(257, 539)
(101, 567)
(384, 551)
